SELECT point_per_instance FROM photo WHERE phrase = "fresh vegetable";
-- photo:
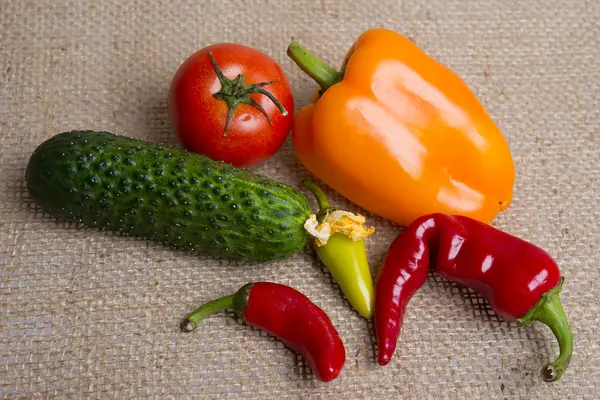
(519, 280)
(180, 198)
(401, 135)
(231, 103)
(338, 241)
(288, 315)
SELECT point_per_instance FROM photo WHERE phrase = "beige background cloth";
(85, 314)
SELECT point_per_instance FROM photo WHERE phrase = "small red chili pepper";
(519, 280)
(288, 315)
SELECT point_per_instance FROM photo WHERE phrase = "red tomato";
(240, 80)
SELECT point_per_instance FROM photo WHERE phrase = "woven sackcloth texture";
(87, 314)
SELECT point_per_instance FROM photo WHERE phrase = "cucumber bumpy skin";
(183, 199)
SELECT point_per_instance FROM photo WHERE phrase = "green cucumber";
(182, 199)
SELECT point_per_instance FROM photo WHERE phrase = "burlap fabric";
(85, 314)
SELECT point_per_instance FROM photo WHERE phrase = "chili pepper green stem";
(190, 322)
(237, 301)
(549, 311)
(321, 72)
(322, 201)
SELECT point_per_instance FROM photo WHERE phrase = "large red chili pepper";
(288, 315)
(519, 280)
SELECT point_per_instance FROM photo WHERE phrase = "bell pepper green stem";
(321, 72)
(190, 322)
(549, 311)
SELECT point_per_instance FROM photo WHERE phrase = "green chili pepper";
(346, 260)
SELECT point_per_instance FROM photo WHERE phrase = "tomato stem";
(235, 92)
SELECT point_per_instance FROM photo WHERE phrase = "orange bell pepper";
(401, 135)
